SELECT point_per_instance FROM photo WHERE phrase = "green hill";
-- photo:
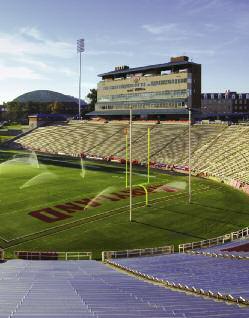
(46, 96)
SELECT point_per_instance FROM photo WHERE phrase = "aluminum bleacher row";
(169, 143)
(217, 150)
(237, 249)
(215, 275)
(74, 289)
(226, 156)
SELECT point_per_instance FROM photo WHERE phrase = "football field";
(84, 206)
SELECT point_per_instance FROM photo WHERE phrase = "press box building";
(153, 91)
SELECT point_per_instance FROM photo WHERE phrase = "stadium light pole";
(130, 164)
(80, 49)
(189, 153)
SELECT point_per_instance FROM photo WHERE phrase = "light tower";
(80, 49)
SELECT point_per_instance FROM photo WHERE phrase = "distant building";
(150, 91)
(44, 119)
(228, 102)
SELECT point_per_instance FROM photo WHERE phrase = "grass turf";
(27, 186)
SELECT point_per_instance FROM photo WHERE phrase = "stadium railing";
(240, 234)
(34, 255)
(138, 252)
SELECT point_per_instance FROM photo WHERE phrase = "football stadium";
(139, 209)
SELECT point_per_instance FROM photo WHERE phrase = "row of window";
(226, 96)
(241, 101)
(153, 83)
(224, 101)
(148, 95)
(143, 106)
(241, 108)
(221, 101)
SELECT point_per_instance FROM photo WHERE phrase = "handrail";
(214, 241)
(41, 255)
(138, 252)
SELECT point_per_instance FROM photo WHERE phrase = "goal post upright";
(130, 164)
(146, 194)
(148, 156)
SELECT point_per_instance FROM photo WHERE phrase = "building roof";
(161, 67)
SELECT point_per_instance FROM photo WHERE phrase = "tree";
(14, 111)
(92, 96)
(56, 108)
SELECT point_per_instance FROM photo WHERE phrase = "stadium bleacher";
(91, 289)
(226, 156)
(218, 275)
(169, 143)
(217, 150)
(236, 248)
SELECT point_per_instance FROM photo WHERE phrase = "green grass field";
(27, 185)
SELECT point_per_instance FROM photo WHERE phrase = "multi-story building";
(150, 91)
(224, 103)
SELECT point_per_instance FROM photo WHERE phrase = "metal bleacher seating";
(80, 289)
(217, 150)
(215, 275)
(226, 156)
(169, 143)
(237, 248)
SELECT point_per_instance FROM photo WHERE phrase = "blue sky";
(38, 41)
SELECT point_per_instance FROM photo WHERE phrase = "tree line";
(19, 111)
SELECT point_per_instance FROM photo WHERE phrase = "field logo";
(64, 211)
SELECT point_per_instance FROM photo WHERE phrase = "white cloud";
(31, 32)
(109, 52)
(20, 45)
(66, 71)
(27, 54)
(18, 73)
(171, 31)
(159, 29)
(34, 63)
(46, 68)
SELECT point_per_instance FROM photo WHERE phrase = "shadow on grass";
(219, 208)
(208, 218)
(169, 230)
